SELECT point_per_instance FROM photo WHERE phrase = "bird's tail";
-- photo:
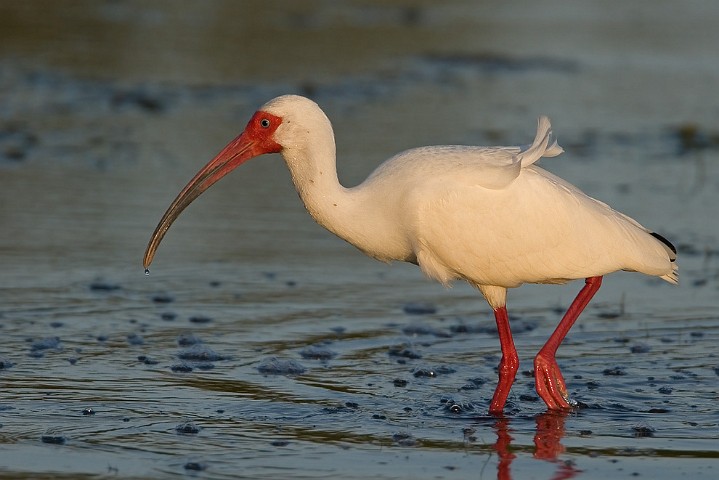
(673, 276)
(544, 145)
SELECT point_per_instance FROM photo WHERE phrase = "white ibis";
(487, 215)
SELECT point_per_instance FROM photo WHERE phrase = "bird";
(487, 215)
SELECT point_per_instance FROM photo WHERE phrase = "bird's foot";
(550, 383)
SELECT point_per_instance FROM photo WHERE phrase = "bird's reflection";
(547, 444)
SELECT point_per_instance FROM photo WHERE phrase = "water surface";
(263, 347)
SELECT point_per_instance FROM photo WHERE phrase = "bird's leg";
(509, 363)
(547, 377)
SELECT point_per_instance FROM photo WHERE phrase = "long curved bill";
(233, 155)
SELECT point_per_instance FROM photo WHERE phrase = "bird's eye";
(264, 123)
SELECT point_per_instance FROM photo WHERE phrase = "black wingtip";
(665, 242)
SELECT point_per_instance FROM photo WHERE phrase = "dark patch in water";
(643, 430)
(519, 326)
(181, 368)
(195, 466)
(403, 351)
(280, 366)
(665, 390)
(138, 98)
(456, 407)
(616, 371)
(5, 364)
(415, 330)
(147, 360)
(689, 249)
(102, 286)
(200, 353)
(88, 411)
(340, 408)
(53, 438)
(135, 339)
(398, 382)
(474, 384)
(404, 439)
(200, 319)
(168, 316)
(46, 344)
(640, 348)
(188, 339)
(691, 137)
(16, 142)
(419, 308)
(317, 353)
(163, 298)
(432, 372)
(187, 428)
(279, 443)
(499, 63)
(658, 410)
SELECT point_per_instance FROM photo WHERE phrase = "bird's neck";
(314, 173)
(353, 214)
(356, 214)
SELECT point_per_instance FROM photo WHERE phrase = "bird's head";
(278, 126)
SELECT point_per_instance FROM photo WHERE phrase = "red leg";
(508, 365)
(547, 377)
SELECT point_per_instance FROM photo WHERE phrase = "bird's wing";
(489, 167)
(540, 229)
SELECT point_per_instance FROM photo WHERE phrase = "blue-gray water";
(108, 108)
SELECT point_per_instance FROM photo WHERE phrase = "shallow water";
(261, 346)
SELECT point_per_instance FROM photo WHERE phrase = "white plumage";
(488, 215)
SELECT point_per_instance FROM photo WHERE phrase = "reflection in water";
(502, 447)
(547, 443)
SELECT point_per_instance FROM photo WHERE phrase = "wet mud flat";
(262, 347)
